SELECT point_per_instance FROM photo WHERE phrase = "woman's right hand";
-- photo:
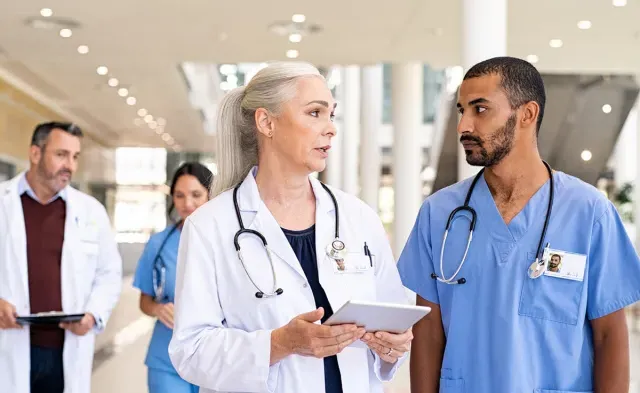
(164, 313)
(302, 336)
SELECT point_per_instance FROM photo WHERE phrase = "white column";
(406, 96)
(334, 162)
(636, 193)
(484, 35)
(370, 122)
(351, 129)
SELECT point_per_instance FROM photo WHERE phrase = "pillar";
(484, 35)
(406, 113)
(333, 172)
(351, 129)
(636, 188)
(370, 122)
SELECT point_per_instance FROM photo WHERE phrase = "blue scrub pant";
(161, 381)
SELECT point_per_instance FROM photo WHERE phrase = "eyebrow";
(323, 103)
(474, 102)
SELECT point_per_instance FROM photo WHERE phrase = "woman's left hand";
(389, 346)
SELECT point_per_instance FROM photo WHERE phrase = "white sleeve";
(107, 283)
(389, 289)
(203, 350)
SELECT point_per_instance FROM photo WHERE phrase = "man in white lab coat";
(57, 253)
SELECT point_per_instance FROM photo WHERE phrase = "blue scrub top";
(504, 331)
(158, 353)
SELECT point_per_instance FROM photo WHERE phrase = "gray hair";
(237, 134)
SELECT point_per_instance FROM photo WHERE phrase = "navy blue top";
(304, 246)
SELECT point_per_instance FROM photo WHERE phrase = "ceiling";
(144, 42)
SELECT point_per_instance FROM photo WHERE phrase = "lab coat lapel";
(17, 242)
(71, 257)
(264, 222)
(325, 234)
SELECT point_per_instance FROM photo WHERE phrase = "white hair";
(237, 134)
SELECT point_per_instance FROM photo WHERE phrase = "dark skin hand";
(427, 350)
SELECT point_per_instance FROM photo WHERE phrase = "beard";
(54, 180)
(499, 145)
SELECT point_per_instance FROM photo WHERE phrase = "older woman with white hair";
(264, 263)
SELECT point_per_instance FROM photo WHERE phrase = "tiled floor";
(119, 365)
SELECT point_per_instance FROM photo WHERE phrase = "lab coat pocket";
(449, 385)
(551, 298)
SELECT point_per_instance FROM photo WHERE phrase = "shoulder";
(581, 196)
(354, 205)
(88, 204)
(446, 199)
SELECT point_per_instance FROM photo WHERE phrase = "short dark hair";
(42, 131)
(520, 80)
(196, 169)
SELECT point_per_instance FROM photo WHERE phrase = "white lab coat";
(91, 282)
(222, 335)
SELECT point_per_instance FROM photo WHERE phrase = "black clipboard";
(49, 318)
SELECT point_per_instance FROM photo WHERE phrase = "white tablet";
(375, 316)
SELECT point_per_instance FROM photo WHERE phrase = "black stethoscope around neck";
(536, 268)
(335, 250)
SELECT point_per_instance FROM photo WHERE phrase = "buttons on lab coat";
(305, 285)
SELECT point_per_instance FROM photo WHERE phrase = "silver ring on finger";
(390, 351)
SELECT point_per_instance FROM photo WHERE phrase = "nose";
(331, 129)
(465, 124)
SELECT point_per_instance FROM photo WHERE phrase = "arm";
(428, 350)
(611, 350)
(107, 283)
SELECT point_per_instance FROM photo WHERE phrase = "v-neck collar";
(534, 211)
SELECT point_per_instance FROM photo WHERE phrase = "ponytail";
(237, 134)
(237, 142)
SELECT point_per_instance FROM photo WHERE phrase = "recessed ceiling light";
(584, 25)
(142, 112)
(123, 92)
(166, 137)
(292, 53)
(295, 37)
(102, 70)
(46, 12)
(586, 155)
(83, 49)
(131, 101)
(66, 33)
(532, 59)
(113, 82)
(162, 122)
(619, 3)
(298, 18)
(148, 118)
(555, 43)
(159, 130)
(153, 125)
(606, 108)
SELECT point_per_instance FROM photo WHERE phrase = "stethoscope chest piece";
(536, 269)
(336, 249)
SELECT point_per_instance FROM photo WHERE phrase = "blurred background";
(143, 80)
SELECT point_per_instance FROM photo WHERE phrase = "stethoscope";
(335, 250)
(160, 270)
(535, 269)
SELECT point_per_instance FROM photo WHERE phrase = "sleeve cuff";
(99, 326)
(614, 306)
(269, 374)
(386, 371)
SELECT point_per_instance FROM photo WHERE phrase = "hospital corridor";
(201, 196)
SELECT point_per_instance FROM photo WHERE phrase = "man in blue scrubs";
(494, 328)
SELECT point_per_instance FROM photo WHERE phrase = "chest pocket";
(551, 298)
(358, 278)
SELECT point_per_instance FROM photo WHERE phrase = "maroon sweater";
(44, 225)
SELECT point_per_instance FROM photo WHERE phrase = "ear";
(264, 122)
(530, 113)
(35, 154)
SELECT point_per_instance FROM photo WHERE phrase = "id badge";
(563, 264)
(352, 264)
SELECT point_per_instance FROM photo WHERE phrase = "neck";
(518, 174)
(280, 185)
(43, 193)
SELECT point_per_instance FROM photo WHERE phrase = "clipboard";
(48, 318)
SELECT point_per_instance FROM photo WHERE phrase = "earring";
(270, 134)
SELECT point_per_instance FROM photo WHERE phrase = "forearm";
(147, 305)
(611, 364)
(425, 365)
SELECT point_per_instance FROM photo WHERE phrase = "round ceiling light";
(533, 59)
(295, 37)
(123, 92)
(556, 43)
(584, 25)
(606, 108)
(46, 12)
(619, 3)
(298, 18)
(586, 155)
(131, 101)
(102, 70)
(83, 49)
(292, 53)
(66, 33)
(142, 112)
(113, 82)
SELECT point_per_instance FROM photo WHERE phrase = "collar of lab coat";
(249, 201)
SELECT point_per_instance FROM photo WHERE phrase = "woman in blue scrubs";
(156, 272)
